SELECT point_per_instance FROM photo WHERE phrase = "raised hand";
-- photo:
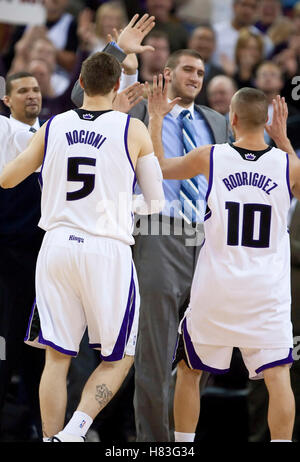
(130, 63)
(133, 34)
(277, 129)
(158, 104)
(128, 98)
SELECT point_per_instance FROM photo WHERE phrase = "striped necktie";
(192, 191)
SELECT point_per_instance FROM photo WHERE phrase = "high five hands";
(277, 128)
(158, 104)
(133, 34)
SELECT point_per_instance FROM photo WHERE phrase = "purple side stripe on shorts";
(287, 360)
(131, 314)
(30, 321)
(118, 351)
(56, 347)
(193, 358)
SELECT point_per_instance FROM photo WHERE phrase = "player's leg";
(186, 402)
(192, 360)
(281, 411)
(100, 388)
(103, 384)
(111, 306)
(53, 391)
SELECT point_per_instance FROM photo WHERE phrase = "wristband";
(113, 49)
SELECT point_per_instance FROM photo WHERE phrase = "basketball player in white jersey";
(85, 275)
(240, 295)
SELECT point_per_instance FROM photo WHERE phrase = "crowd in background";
(253, 43)
(234, 41)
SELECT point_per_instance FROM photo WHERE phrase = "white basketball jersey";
(241, 289)
(87, 175)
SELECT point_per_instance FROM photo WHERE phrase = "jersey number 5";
(88, 179)
(255, 227)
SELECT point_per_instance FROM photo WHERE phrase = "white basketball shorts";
(216, 359)
(86, 281)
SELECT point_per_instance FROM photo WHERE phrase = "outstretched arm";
(25, 163)
(129, 41)
(181, 167)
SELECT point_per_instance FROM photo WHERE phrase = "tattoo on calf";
(103, 395)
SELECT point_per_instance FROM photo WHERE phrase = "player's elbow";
(4, 182)
(6, 185)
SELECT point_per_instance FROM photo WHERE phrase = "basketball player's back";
(88, 176)
(243, 271)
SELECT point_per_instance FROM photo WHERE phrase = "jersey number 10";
(256, 224)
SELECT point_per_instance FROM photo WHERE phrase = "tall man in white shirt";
(20, 240)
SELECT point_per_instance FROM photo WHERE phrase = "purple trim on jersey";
(45, 149)
(118, 351)
(287, 360)
(127, 151)
(194, 360)
(207, 216)
(56, 347)
(288, 175)
(30, 321)
(211, 167)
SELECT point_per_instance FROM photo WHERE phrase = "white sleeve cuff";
(127, 80)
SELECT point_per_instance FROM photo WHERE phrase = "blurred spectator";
(249, 54)
(43, 49)
(192, 12)
(280, 33)
(296, 16)
(289, 62)
(245, 13)
(153, 62)
(203, 40)
(164, 21)
(269, 79)
(288, 6)
(221, 14)
(109, 16)
(132, 7)
(270, 11)
(41, 71)
(60, 28)
(220, 91)
(52, 104)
